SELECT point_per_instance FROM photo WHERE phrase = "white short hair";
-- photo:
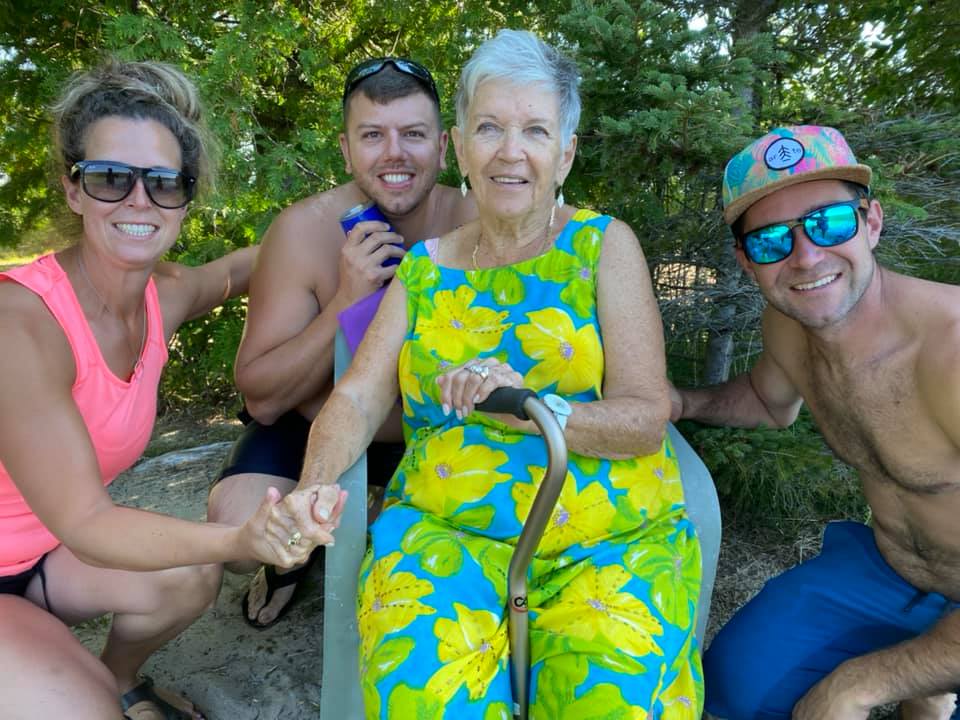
(522, 58)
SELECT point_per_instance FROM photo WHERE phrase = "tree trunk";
(748, 16)
(720, 350)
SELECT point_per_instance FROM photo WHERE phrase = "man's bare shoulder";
(929, 314)
(314, 220)
(941, 346)
(933, 300)
(933, 310)
(930, 310)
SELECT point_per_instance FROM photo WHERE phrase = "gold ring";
(294, 539)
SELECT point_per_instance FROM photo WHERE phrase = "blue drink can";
(363, 212)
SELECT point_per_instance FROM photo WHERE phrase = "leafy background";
(670, 90)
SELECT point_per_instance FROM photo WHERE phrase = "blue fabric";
(844, 603)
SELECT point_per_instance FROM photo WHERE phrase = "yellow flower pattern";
(569, 357)
(613, 585)
(592, 606)
(471, 648)
(389, 601)
(451, 473)
(652, 498)
(458, 331)
(578, 517)
(682, 700)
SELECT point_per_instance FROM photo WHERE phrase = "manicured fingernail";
(323, 513)
(476, 399)
(464, 412)
(446, 409)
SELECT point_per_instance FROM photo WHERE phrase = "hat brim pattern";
(860, 174)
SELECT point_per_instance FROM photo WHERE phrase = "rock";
(227, 668)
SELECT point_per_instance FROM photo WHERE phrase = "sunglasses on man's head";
(371, 67)
(826, 226)
(109, 181)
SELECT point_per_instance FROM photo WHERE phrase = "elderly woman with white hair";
(538, 294)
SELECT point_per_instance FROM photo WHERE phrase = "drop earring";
(463, 186)
(560, 197)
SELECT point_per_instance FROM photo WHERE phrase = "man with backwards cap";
(875, 355)
(308, 272)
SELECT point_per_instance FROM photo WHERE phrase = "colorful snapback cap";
(787, 156)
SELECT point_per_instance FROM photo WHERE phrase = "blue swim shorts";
(843, 603)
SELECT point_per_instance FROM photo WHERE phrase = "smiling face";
(394, 151)
(816, 286)
(134, 231)
(511, 149)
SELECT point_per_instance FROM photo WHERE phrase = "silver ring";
(294, 539)
(481, 370)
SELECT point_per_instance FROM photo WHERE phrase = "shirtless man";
(308, 272)
(875, 355)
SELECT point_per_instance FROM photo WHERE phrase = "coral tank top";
(119, 414)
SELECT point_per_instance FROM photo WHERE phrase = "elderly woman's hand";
(265, 536)
(285, 532)
(463, 387)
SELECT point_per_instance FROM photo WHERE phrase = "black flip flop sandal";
(275, 581)
(144, 692)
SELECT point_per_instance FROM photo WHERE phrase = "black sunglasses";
(826, 226)
(110, 181)
(371, 67)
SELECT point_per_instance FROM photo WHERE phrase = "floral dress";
(613, 587)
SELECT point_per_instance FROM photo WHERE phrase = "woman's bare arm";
(362, 399)
(631, 418)
(46, 449)
(189, 292)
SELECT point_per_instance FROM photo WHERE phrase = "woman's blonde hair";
(140, 91)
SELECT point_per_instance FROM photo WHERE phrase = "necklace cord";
(105, 306)
(476, 247)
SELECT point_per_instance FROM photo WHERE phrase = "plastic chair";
(341, 697)
(703, 509)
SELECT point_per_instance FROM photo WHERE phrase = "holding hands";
(284, 531)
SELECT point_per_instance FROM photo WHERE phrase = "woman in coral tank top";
(84, 341)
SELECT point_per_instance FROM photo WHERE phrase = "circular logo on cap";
(783, 153)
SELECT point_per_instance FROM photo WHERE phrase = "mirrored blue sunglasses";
(826, 226)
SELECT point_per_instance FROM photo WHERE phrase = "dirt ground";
(227, 668)
(234, 671)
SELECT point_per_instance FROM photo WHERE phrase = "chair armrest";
(340, 694)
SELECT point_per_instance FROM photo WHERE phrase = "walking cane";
(525, 405)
